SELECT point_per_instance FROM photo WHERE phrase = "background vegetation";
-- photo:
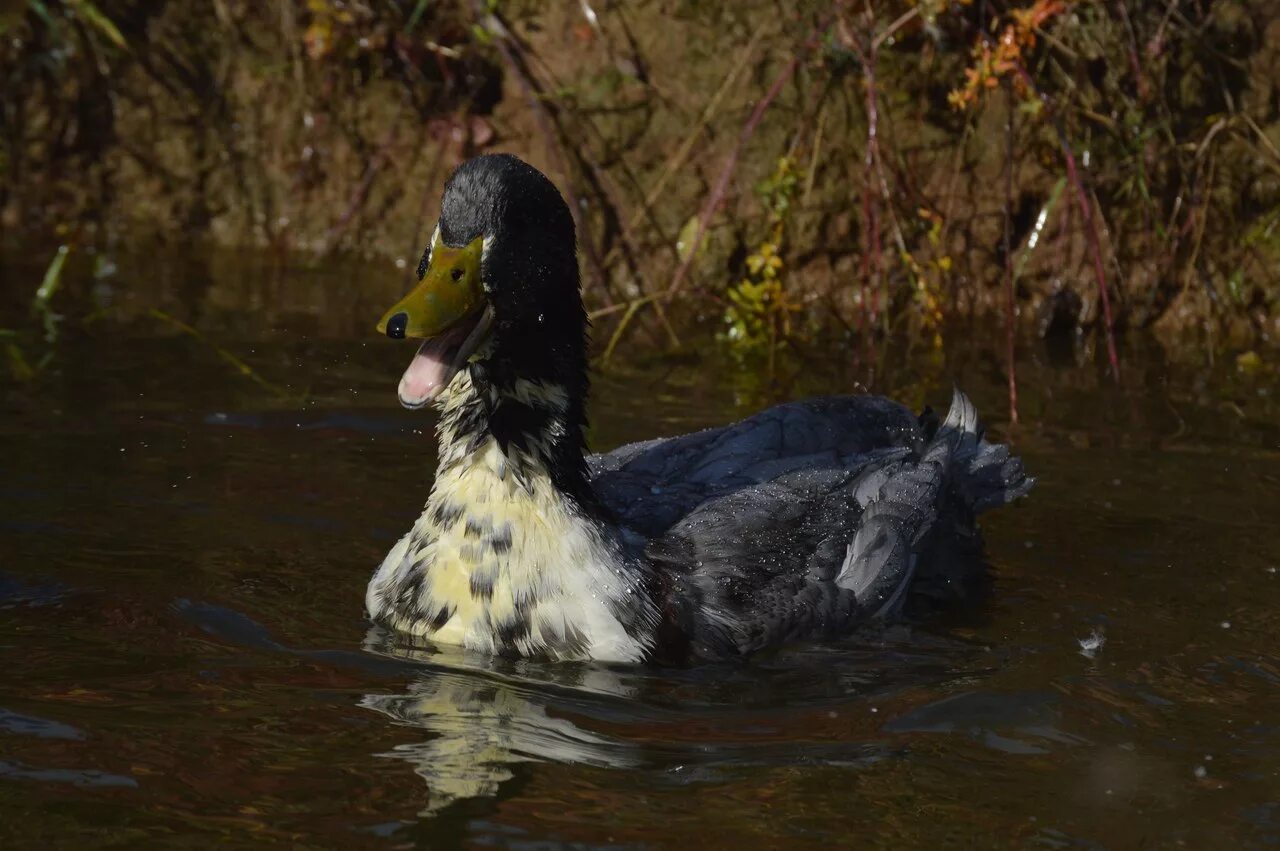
(784, 170)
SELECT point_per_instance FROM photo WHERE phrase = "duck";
(806, 522)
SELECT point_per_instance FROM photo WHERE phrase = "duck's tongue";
(433, 367)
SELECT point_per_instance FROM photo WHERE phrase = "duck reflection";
(488, 716)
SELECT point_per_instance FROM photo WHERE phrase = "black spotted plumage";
(481, 583)
(500, 540)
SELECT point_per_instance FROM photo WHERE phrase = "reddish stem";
(871, 153)
(1086, 215)
(330, 239)
(511, 55)
(726, 171)
(1009, 305)
(1095, 249)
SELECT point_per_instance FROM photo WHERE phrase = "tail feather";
(881, 559)
(984, 475)
(905, 500)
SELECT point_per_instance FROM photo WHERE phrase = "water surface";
(184, 549)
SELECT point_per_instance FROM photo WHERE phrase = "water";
(184, 550)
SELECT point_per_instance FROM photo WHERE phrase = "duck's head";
(498, 286)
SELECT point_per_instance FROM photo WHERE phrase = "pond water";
(184, 546)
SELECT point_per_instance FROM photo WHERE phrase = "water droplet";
(1090, 646)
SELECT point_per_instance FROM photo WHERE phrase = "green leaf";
(90, 13)
(43, 11)
(684, 239)
(1249, 362)
(18, 366)
(415, 16)
(1236, 286)
(52, 279)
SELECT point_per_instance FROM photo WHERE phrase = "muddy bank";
(845, 171)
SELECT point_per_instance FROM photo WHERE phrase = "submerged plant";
(28, 362)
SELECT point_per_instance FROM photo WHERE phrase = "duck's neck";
(535, 423)
(509, 554)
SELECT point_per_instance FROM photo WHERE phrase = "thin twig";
(892, 30)
(600, 313)
(428, 193)
(608, 192)
(632, 308)
(873, 265)
(240, 366)
(1009, 306)
(1095, 251)
(1086, 216)
(814, 154)
(605, 190)
(1262, 137)
(1135, 65)
(731, 162)
(330, 239)
(677, 160)
(509, 50)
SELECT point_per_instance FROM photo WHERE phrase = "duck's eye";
(456, 273)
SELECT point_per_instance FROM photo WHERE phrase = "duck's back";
(650, 486)
(805, 520)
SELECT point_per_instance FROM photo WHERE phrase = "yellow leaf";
(684, 240)
(90, 13)
(1249, 362)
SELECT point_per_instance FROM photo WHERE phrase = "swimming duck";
(803, 522)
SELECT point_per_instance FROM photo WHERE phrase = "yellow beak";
(449, 291)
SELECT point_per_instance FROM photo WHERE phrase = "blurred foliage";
(758, 315)
(1007, 55)
(323, 126)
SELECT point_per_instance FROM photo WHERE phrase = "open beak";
(448, 310)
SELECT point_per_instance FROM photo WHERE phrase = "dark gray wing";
(811, 553)
(757, 567)
(652, 485)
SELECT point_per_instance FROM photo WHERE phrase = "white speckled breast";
(499, 562)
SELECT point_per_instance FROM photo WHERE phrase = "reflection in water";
(486, 717)
(485, 722)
